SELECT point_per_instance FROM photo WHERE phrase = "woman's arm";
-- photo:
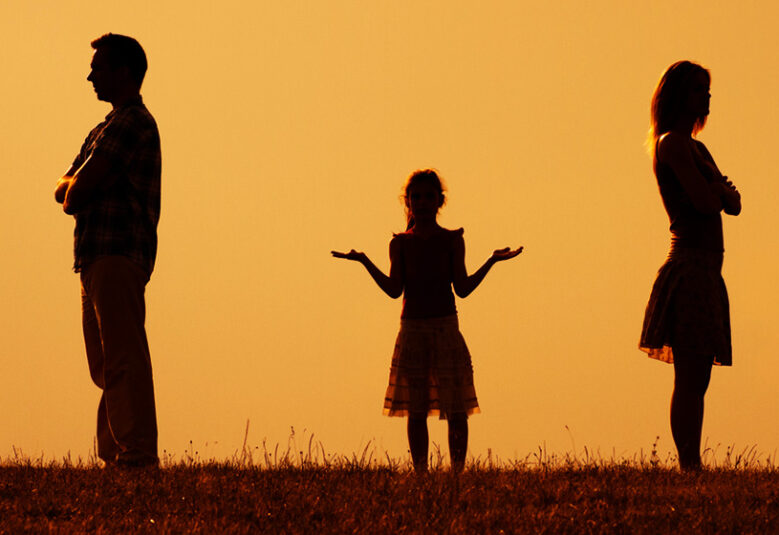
(463, 283)
(729, 195)
(392, 285)
(675, 150)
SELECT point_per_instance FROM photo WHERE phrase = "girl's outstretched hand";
(505, 254)
(357, 256)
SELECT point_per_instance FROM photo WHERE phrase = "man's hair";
(123, 51)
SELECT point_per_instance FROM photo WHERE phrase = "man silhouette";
(113, 191)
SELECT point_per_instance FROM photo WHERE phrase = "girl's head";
(423, 196)
(682, 92)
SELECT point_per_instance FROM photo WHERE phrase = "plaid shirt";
(122, 220)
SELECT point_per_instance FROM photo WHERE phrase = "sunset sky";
(288, 129)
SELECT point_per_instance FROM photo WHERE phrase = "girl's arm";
(392, 285)
(463, 283)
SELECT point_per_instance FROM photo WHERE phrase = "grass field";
(301, 492)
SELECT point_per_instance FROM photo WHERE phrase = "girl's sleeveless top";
(427, 274)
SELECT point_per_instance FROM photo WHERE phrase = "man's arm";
(94, 175)
(63, 184)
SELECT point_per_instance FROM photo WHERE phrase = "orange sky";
(288, 130)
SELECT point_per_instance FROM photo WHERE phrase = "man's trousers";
(114, 312)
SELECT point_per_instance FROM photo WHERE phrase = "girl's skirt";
(431, 372)
(688, 309)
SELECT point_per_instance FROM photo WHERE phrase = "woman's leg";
(458, 440)
(418, 441)
(691, 380)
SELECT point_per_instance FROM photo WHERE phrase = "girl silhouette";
(431, 372)
(687, 321)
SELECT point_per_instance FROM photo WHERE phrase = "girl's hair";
(669, 98)
(422, 176)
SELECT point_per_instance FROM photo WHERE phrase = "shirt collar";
(135, 101)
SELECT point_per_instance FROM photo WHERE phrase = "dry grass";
(305, 490)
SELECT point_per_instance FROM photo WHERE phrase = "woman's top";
(427, 264)
(690, 229)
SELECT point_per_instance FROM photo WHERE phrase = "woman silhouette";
(687, 321)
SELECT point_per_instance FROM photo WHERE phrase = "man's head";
(118, 67)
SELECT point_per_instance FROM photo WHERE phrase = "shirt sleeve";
(81, 157)
(120, 138)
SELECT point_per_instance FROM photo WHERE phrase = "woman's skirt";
(688, 309)
(431, 372)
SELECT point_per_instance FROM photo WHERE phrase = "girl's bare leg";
(458, 440)
(692, 374)
(418, 441)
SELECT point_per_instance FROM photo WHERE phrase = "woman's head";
(423, 195)
(681, 93)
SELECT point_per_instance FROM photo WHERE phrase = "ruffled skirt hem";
(431, 371)
(688, 309)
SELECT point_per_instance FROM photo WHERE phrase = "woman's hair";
(422, 176)
(669, 98)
